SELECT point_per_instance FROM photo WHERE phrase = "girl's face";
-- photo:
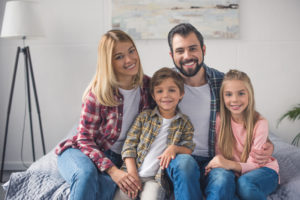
(125, 60)
(167, 96)
(236, 98)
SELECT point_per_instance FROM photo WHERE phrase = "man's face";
(187, 54)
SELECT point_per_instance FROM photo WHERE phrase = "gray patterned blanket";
(43, 181)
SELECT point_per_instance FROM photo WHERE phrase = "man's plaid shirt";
(214, 79)
(100, 127)
(144, 130)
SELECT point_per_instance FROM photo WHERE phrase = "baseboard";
(16, 166)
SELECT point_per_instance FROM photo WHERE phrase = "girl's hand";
(217, 162)
(168, 154)
(220, 162)
(126, 182)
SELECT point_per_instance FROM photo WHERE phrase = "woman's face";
(125, 60)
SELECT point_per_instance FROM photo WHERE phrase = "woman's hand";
(129, 184)
(167, 156)
(138, 181)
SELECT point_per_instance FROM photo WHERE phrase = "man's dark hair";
(184, 29)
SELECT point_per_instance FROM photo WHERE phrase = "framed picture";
(152, 19)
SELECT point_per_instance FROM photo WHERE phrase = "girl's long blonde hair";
(226, 140)
(104, 83)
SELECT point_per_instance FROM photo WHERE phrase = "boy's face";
(167, 96)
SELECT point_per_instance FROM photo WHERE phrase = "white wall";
(65, 61)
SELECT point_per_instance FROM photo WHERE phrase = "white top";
(150, 164)
(130, 112)
(196, 105)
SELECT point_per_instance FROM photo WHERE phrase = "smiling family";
(188, 133)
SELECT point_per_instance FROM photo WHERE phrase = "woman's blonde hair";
(104, 84)
(226, 141)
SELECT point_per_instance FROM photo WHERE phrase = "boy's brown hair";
(163, 74)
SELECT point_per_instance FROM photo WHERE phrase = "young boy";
(156, 137)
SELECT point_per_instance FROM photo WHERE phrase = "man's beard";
(189, 72)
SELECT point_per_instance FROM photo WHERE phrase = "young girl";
(90, 160)
(157, 136)
(240, 130)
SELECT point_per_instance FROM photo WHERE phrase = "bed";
(42, 180)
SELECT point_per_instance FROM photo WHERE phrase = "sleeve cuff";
(246, 167)
(128, 154)
(105, 164)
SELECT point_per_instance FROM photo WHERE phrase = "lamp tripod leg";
(8, 110)
(29, 99)
(36, 100)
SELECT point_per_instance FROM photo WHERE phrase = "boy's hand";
(168, 154)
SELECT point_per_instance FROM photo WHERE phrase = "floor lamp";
(20, 22)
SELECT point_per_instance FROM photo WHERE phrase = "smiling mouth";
(189, 64)
(235, 107)
(167, 101)
(130, 66)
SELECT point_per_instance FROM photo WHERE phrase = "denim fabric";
(188, 178)
(184, 173)
(257, 184)
(85, 179)
(220, 184)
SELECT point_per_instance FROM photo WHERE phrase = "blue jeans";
(184, 173)
(218, 184)
(187, 175)
(86, 181)
(257, 184)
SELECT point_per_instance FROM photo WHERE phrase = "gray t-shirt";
(196, 105)
(130, 111)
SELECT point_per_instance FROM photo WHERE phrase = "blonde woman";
(239, 131)
(90, 160)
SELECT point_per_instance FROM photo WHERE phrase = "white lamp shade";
(21, 19)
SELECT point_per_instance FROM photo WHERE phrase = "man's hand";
(126, 182)
(263, 155)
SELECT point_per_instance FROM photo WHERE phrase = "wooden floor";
(6, 175)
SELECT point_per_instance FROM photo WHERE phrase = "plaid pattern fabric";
(144, 130)
(214, 79)
(100, 127)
